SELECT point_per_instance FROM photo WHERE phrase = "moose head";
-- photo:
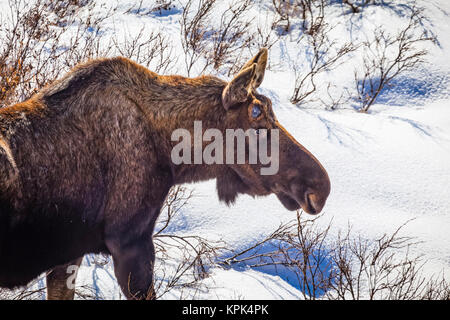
(301, 181)
(295, 176)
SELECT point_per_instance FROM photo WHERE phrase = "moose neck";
(185, 104)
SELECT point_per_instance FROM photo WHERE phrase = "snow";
(386, 167)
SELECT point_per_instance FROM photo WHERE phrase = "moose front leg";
(59, 286)
(133, 266)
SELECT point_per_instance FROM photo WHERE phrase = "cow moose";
(85, 166)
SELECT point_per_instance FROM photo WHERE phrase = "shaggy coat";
(85, 165)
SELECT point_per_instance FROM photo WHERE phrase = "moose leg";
(59, 286)
(133, 266)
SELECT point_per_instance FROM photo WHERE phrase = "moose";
(85, 166)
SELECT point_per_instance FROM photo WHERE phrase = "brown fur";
(85, 165)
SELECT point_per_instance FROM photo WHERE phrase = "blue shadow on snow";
(317, 274)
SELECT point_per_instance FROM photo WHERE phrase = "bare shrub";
(387, 56)
(437, 289)
(344, 268)
(35, 33)
(216, 44)
(335, 98)
(152, 50)
(264, 36)
(313, 15)
(376, 270)
(322, 54)
(158, 7)
(355, 8)
(231, 37)
(195, 25)
(298, 246)
(310, 12)
(34, 291)
(182, 260)
(285, 11)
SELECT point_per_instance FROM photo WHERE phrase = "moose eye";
(256, 111)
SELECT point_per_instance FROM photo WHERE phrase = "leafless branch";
(345, 267)
(388, 56)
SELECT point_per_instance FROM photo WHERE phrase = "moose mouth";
(292, 204)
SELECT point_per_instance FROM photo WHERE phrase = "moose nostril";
(313, 201)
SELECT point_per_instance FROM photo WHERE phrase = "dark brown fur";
(85, 165)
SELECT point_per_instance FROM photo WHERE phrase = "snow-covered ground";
(386, 167)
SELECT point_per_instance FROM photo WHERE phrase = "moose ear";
(248, 79)
(239, 88)
(261, 61)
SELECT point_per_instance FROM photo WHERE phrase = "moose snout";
(312, 196)
(306, 183)
(314, 201)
